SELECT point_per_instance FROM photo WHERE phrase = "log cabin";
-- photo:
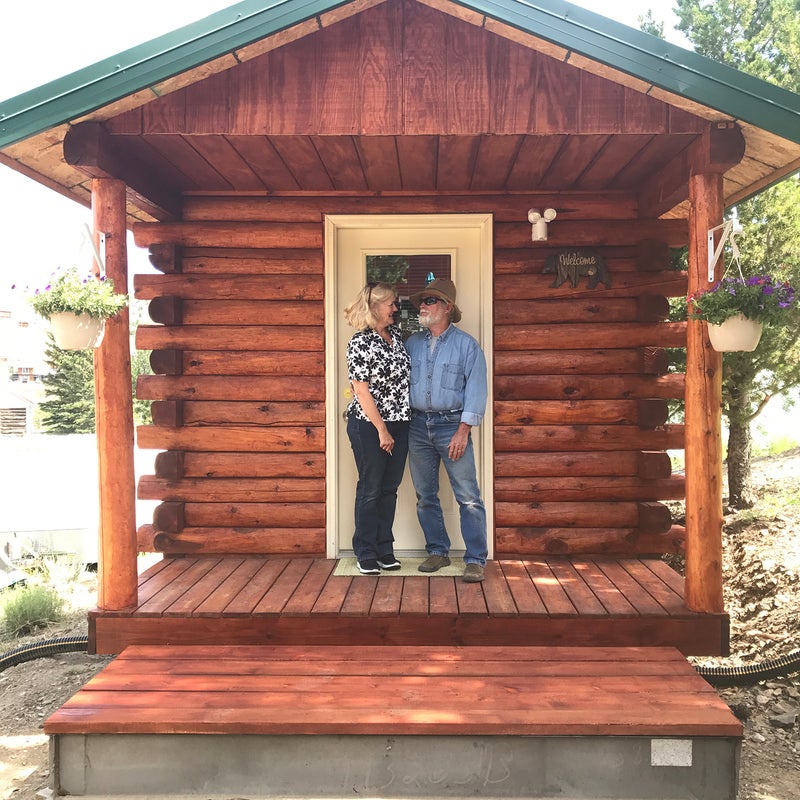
(273, 157)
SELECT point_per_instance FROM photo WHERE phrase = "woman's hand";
(367, 401)
(386, 441)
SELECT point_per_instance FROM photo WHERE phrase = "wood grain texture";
(294, 690)
(609, 600)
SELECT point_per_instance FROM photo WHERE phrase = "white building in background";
(23, 338)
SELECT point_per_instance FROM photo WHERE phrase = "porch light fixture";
(539, 223)
(730, 228)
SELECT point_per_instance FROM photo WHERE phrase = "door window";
(408, 275)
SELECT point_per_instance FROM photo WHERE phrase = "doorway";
(402, 249)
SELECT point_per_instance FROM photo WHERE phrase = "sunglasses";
(431, 301)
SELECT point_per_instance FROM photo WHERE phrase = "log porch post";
(703, 414)
(117, 568)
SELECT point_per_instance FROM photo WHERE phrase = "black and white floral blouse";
(385, 369)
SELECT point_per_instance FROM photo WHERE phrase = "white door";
(363, 248)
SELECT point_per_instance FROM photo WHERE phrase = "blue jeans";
(428, 439)
(379, 476)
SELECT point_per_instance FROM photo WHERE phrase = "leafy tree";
(761, 37)
(649, 24)
(771, 221)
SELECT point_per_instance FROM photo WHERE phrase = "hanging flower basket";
(737, 333)
(77, 307)
(76, 331)
(736, 308)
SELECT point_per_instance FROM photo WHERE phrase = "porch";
(543, 601)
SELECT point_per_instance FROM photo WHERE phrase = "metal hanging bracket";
(730, 229)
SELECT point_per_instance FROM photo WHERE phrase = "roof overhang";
(33, 126)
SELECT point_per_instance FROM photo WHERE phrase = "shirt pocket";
(453, 377)
(416, 373)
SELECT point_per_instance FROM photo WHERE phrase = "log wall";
(580, 380)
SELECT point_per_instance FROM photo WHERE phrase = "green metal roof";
(646, 57)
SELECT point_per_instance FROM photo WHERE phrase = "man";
(448, 399)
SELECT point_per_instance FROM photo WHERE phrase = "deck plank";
(313, 690)
(388, 596)
(189, 601)
(553, 596)
(523, 590)
(160, 576)
(332, 597)
(216, 602)
(359, 597)
(251, 594)
(606, 592)
(443, 596)
(662, 593)
(627, 585)
(276, 598)
(577, 590)
(172, 592)
(415, 600)
(308, 590)
(499, 600)
(471, 601)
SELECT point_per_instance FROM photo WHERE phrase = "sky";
(41, 231)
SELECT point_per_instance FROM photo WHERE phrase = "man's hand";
(458, 444)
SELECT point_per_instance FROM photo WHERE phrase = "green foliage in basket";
(68, 291)
(759, 298)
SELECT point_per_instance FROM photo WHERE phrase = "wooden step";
(395, 721)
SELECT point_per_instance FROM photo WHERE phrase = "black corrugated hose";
(749, 674)
(44, 647)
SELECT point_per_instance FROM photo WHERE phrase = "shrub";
(28, 608)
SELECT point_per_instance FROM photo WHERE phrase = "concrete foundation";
(251, 767)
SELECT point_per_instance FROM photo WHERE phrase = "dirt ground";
(762, 586)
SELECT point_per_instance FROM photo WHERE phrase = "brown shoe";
(473, 573)
(434, 563)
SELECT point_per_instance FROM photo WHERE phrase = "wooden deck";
(299, 601)
(397, 722)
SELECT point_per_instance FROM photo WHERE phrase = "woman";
(377, 422)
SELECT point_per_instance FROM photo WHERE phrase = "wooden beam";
(703, 415)
(720, 148)
(117, 567)
(92, 150)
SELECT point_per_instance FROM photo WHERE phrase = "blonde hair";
(359, 313)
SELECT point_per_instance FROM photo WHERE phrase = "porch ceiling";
(472, 163)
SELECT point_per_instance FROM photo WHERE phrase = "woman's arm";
(368, 406)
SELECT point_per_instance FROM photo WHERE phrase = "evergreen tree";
(69, 407)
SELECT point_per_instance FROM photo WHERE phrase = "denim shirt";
(451, 378)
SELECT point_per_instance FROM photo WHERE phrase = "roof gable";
(570, 29)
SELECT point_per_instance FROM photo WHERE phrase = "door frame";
(333, 223)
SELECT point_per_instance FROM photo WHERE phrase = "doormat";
(347, 567)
